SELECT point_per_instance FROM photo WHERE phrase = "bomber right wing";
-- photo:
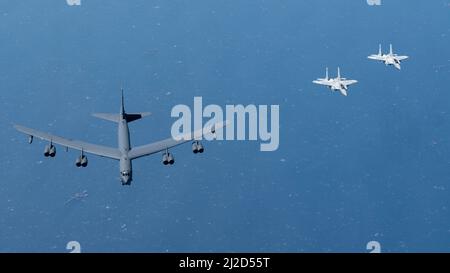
(168, 143)
(95, 149)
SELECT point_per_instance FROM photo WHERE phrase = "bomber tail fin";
(122, 104)
(107, 116)
(135, 116)
(129, 117)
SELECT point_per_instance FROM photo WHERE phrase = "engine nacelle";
(200, 148)
(52, 151)
(168, 159)
(197, 147)
(165, 159)
(194, 147)
(47, 151)
(84, 161)
(171, 159)
(81, 161)
(78, 162)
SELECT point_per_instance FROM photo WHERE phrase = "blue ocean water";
(371, 166)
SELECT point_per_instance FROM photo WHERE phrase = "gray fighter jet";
(124, 153)
(388, 59)
(335, 84)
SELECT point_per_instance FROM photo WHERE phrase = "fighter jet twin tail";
(336, 84)
(341, 84)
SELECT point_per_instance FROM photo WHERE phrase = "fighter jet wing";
(401, 58)
(168, 143)
(322, 82)
(74, 144)
(376, 57)
(349, 82)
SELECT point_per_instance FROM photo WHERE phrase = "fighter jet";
(124, 153)
(388, 59)
(335, 84)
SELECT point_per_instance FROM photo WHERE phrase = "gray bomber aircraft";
(124, 153)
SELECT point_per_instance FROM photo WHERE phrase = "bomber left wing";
(168, 143)
(95, 149)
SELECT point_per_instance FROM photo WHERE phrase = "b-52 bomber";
(124, 153)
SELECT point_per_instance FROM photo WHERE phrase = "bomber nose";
(125, 177)
(126, 180)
